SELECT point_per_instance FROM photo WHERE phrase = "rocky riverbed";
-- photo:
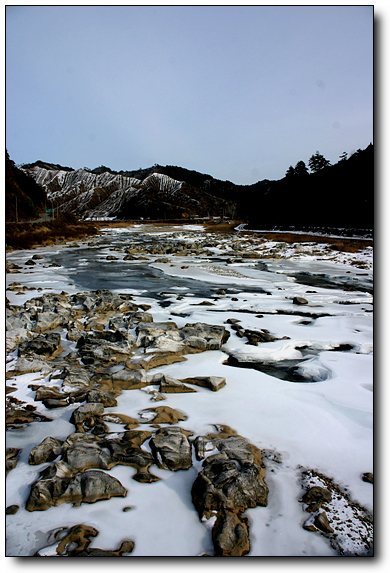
(178, 392)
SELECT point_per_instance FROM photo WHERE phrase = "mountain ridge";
(339, 195)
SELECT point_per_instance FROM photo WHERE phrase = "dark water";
(95, 272)
(140, 276)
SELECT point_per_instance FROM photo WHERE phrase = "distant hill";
(23, 196)
(340, 195)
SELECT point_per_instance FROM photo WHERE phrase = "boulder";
(48, 450)
(315, 497)
(171, 449)
(11, 459)
(82, 451)
(163, 415)
(169, 385)
(213, 383)
(230, 535)
(87, 416)
(87, 487)
(104, 397)
(232, 480)
(41, 345)
(299, 300)
(48, 321)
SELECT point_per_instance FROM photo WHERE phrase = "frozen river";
(305, 397)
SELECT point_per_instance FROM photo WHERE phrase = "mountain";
(23, 196)
(340, 195)
(104, 193)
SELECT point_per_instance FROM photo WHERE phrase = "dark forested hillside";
(340, 195)
(23, 196)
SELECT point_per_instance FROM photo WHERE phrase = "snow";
(325, 425)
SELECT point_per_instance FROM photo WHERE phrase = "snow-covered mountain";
(89, 194)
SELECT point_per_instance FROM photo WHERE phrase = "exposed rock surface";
(59, 484)
(171, 448)
(232, 480)
(75, 541)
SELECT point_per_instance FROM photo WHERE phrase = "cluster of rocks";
(334, 515)
(115, 345)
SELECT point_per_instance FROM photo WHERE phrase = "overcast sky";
(238, 92)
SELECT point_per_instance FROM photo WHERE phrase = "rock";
(163, 415)
(171, 449)
(191, 338)
(18, 327)
(48, 450)
(230, 482)
(11, 459)
(169, 385)
(230, 535)
(115, 418)
(75, 377)
(126, 450)
(26, 365)
(299, 300)
(103, 396)
(82, 451)
(213, 383)
(11, 509)
(87, 487)
(54, 403)
(49, 393)
(315, 497)
(321, 521)
(129, 379)
(45, 345)
(126, 547)
(20, 414)
(48, 321)
(86, 416)
(255, 336)
(368, 477)
(153, 359)
(75, 541)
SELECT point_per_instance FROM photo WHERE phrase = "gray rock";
(48, 321)
(171, 448)
(41, 345)
(230, 535)
(88, 487)
(105, 397)
(46, 451)
(169, 385)
(83, 451)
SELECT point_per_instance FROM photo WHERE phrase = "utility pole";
(16, 208)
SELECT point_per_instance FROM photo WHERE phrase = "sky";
(238, 92)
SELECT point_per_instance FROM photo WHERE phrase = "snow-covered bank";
(324, 424)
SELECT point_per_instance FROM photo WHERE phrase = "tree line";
(316, 163)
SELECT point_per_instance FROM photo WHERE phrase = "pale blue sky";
(239, 92)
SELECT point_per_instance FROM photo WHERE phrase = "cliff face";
(89, 194)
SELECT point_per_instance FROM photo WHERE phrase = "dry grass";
(32, 235)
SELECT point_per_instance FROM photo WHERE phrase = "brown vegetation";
(29, 235)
